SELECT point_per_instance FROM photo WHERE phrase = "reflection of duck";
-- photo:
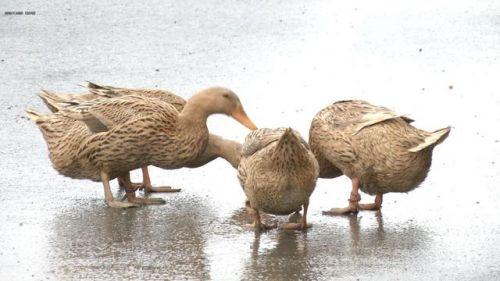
(278, 174)
(354, 227)
(92, 242)
(161, 136)
(376, 148)
(216, 147)
(379, 244)
(364, 246)
(289, 259)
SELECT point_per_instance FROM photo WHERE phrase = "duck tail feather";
(433, 139)
(33, 114)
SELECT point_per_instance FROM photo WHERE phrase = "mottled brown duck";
(163, 137)
(216, 147)
(376, 148)
(278, 173)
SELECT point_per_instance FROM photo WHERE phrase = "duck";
(278, 174)
(216, 147)
(378, 149)
(163, 137)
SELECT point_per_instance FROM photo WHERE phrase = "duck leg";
(303, 221)
(353, 206)
(110, 200)
(146, 184)
(257, 223)
(130, 189)
(377, 205)
(122, 184)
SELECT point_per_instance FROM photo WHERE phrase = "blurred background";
(435, 61)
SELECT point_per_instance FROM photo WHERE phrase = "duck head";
(219, 100)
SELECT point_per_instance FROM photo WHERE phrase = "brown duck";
(376, 148)
(278, 173)
(163, 137)
(216, 147)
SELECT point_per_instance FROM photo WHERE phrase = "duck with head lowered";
(162, 137)
(378, 149)
(278, 173)
(216, 147)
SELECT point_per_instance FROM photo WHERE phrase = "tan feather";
(434, 138)
(33, 114)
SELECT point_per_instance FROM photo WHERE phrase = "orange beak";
(240, 116)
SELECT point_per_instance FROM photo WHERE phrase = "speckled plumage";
(277, 171)
(63, 136)
(373, 144)
(138, 131)
(216, 147)
(156, 137)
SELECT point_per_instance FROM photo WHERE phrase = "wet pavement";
(436, 61)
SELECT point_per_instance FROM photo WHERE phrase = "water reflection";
(287, 260)
(336, 250)
(354, 227)
(184, 239)
(93, 241)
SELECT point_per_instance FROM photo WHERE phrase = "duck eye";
(226, 95)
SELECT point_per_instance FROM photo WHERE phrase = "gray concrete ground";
(436, 61)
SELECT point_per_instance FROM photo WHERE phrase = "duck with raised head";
(278, 173)
(164, 138)
(216, 147)
(375, 147)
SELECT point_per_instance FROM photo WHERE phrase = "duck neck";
(227, 149)
(195, 113)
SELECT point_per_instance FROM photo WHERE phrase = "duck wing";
(113, 92)
(104, 114)
(351, 116)
(55, 101)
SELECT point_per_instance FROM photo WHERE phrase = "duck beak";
(240, 116)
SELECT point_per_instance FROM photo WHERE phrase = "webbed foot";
(147, 201)
(377, 205)
(369, 207)
(143, 200)
(353, 206)
(296, 226)
(351, 209)
(119, 204)
(166, 189)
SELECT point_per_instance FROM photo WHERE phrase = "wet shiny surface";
(435, 61)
